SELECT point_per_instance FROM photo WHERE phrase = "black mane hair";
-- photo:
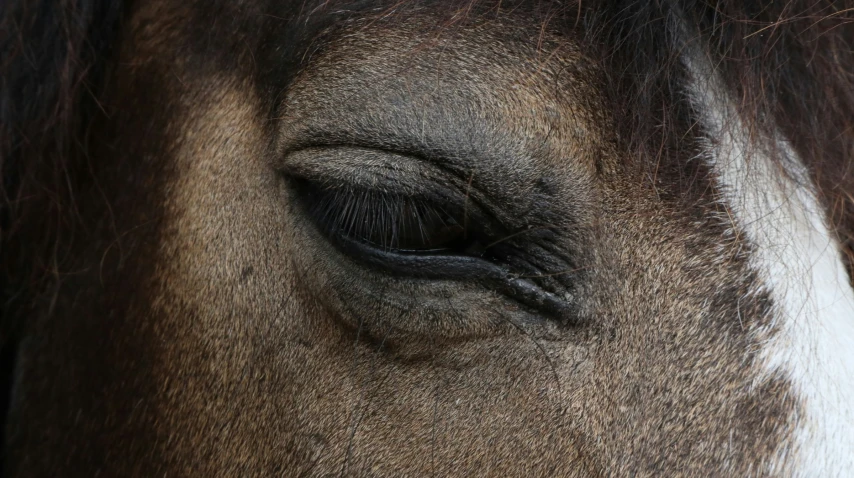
(52, 57)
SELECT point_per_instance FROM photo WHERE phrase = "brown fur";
(201, 325)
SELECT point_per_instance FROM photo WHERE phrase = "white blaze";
(799, 261)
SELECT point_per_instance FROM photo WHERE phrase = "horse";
(427, 237)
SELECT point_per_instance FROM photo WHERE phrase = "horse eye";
(388, 221)
(427, 236)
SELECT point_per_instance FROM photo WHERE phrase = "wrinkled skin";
(212, 328)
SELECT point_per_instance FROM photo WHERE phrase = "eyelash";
(391, 221)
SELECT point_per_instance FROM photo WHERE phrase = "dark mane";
(52, 57)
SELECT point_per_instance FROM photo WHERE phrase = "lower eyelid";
(462, 268)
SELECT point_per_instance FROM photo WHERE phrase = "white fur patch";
(800, 263)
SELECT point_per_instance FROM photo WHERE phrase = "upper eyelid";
(357, 168)
(339, 165)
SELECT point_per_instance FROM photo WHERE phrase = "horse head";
(367, 238)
